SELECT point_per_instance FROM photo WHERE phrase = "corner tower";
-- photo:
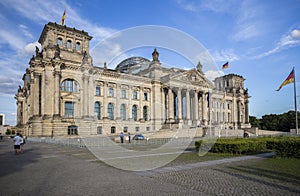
(65, 43)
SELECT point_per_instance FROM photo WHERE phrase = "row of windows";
(110, 112)
(113, 129)
(70, 85)
(72, 130)
(68, 44)
(69, 111)
(123, 93)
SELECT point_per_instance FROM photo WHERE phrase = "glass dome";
(133, 65)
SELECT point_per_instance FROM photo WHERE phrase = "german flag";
(225, 66)
(63, 18)
(288, 80)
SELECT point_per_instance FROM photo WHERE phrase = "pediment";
(188, 77)
(70, 96)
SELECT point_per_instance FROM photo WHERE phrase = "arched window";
(77, 46)
(110, 111)
(59, 41)
(97, 110)
(145, 113)
(69, 44)
(123, 112)
(69, 85)
(134, 112)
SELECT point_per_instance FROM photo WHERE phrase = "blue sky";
(259, 39)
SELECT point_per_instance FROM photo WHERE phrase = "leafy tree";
(254, 121)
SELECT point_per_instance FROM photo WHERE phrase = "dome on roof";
(133, 65)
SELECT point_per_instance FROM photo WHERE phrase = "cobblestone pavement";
(47, 169)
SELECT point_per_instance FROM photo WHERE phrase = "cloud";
(225, 55)
(218, 6)
(30, 48)
(291, 39)
(24, 30)
(212, 74)
(248, 23)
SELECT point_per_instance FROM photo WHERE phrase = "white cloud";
(212, 74)
(248, 24)
(30, 48)
(225, 55)
(24, 30)
(296, 34)
(291, 39)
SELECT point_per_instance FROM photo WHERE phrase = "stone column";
(19, 117)
(171, 105)
(86, 96)
(163, 106)
(56, 93)
(104, 112)
(35, 96)
(118, 89)
(141, 103)
(196, 110)
(129, 108)
(247, 111)
(179, 98)
(188, 106)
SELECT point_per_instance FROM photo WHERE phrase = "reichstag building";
(65, 94)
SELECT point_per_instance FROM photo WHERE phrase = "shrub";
(8, 132)
(283, 146)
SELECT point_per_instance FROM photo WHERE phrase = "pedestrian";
(22, 143)
(17, 142)
(122, 137)
(129, 137)
(1, 136)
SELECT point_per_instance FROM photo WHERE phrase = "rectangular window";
(99, 130)
(137, 129)
(69, 109)
(146, 96)
(98, 91)
(123, 94)
(111, 92)
(147, 128)
(125, 129)
(113, 130)
(134, 95)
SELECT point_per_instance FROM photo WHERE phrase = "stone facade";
(65, 94)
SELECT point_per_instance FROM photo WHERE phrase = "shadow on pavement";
(11, 163)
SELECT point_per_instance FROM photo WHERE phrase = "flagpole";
(295, 100)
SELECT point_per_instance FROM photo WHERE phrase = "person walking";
(17, 142)
(122, 137)
(22, 143)
(129, 137)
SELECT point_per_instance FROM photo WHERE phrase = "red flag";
(225, 66)
(63, 18)
(288, 80)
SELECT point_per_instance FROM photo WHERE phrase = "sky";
(259, 39)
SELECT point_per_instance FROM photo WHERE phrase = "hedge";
(283, 146)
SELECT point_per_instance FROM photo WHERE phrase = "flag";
(63, 18)
(223, 99)
(288, 80)
(225, 66)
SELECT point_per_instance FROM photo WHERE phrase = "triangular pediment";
(70, 96)
(188, 77)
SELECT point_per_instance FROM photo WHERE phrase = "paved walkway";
(47, 169)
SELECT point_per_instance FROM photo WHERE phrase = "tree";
(254, 121)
